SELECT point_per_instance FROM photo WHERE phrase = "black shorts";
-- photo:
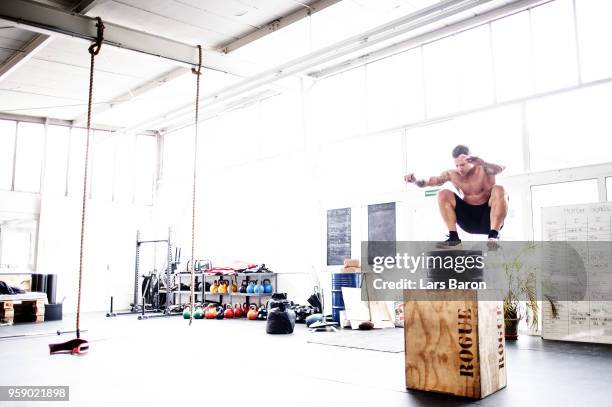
(475, 219)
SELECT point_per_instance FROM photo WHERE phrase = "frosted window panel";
(241, 136)
(29, 157)
(339, 106)
(594, 34)
(571, 129)
(280, 124)
(475, 68)
(76, 162)
(609, 188)
(56, 161)
(103, 165)
(7, 151)
(494, 135)
(564, 193)
(554, 45)
(146, 159)
(16, 245)
(512, 56)
(125, 158)
(395, 91)
(441, 78)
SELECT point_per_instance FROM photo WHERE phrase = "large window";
(493, 135)
(570, 129)
(441, 77)
(512, 56)
(146, 158)
(29, 157)
(7, 152)
(103, 165)
(125, 168)
(56, 159)
(475, 68)
(554, 45)
(76, 162)
(594, 33)
(395, 90)
(338, 106)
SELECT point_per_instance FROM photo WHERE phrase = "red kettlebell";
(210, 313)
(252, 314)
(245, 310)
(237, 311)
(229, 312)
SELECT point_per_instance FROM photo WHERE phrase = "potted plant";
(520, 300)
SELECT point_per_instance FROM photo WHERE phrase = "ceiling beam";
(85, 6)
(47, 20)
(134, 93)
(21, 56)
(277, 24)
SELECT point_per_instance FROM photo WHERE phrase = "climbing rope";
(197, 73)
(94, 49)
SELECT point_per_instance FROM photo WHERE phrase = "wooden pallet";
(32, 310)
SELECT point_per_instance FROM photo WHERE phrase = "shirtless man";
(484, 205)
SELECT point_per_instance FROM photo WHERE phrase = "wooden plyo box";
(454, 343)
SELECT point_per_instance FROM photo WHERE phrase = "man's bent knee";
(446, 196)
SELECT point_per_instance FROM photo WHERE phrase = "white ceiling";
(53, 83)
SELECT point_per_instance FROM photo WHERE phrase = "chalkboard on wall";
(381, 230)
(338, 236)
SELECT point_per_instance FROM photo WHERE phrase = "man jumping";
(484, 205)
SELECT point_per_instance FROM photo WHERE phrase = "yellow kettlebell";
(234, 287)
(222, 287)
(215, 287)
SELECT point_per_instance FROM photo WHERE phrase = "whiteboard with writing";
(589, 320)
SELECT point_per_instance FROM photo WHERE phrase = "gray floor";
(163, 362)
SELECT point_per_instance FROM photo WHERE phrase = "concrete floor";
(163, 361)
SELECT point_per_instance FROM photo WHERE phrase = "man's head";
(459, 154)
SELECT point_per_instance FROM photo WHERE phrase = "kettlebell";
(237, 311)
(229, 312)
(267, 285)
(187, 313)
(245, 309)
(243, 287)
(220, 314)
(251, 288)
(262, 313)
(211, 312)
(198, 313)
(259, 289)
(222, 287)
(234, 287)
(252, 314)
(215, 287)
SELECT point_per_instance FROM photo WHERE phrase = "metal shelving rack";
(247, 278)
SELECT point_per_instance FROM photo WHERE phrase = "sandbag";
(281, 319)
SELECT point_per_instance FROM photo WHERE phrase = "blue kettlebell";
(267, 286)
(251, 288)
(259, 289)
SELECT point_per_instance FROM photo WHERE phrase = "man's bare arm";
(432, 181)
(490, 168)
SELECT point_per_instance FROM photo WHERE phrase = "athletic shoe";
(448, 243)
(492, 243)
